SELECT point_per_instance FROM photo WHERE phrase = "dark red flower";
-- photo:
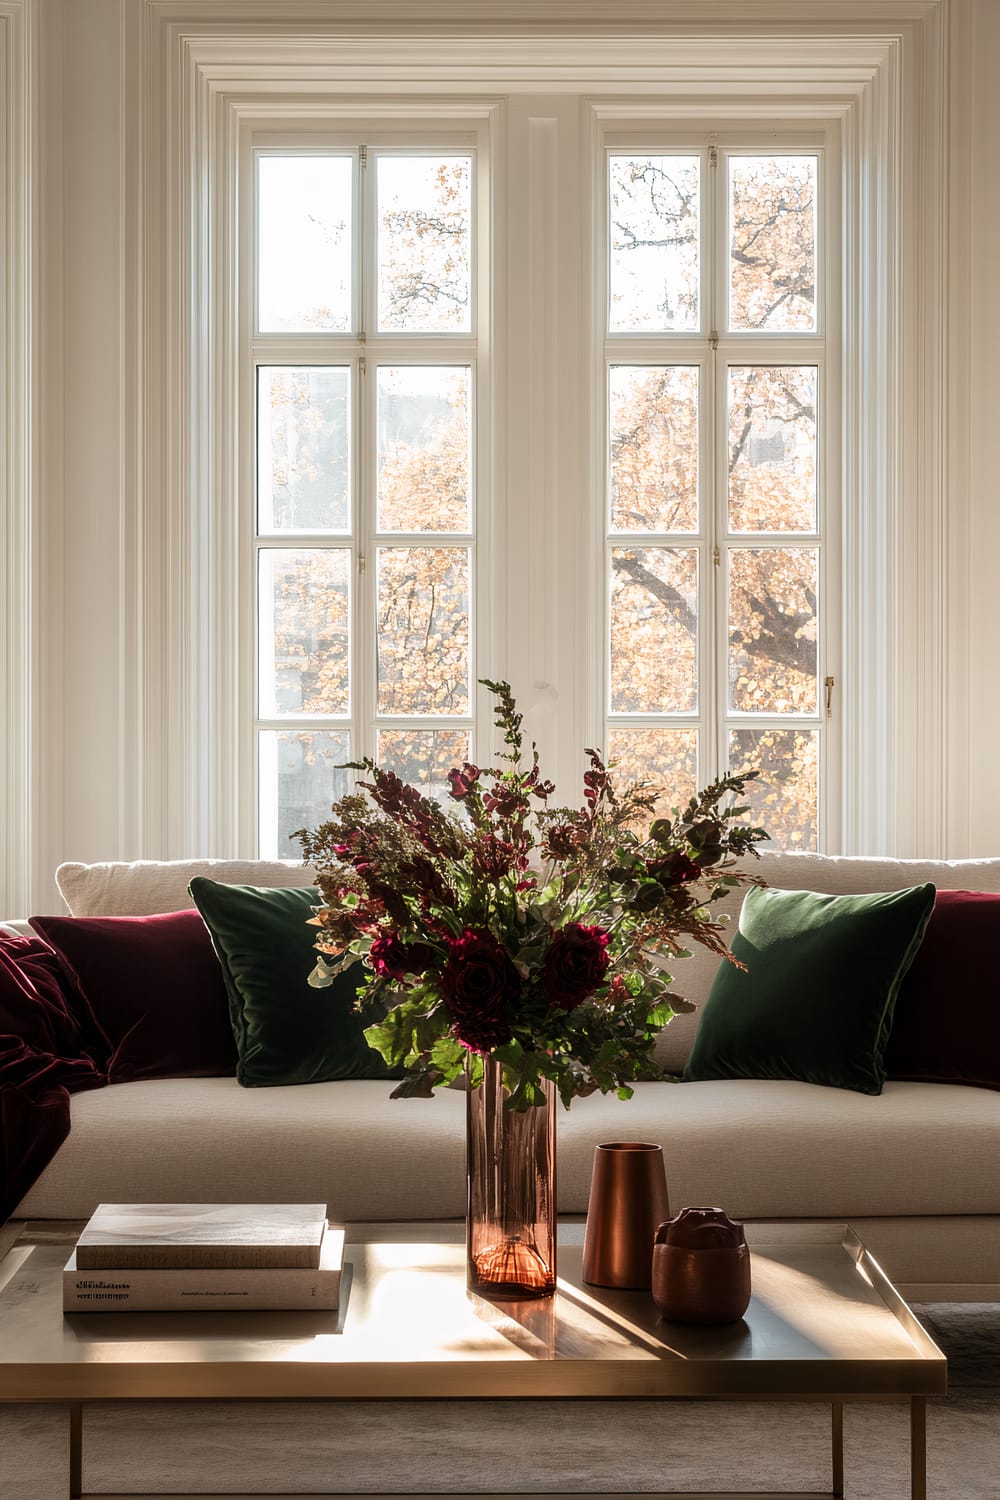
(493, 857)
(394, 959)
(559, 841)
(575, 964)
(618, 992)
(674, 869)
(479, 984)
(507, 801)
(463, 781)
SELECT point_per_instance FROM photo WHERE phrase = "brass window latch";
(828, 684)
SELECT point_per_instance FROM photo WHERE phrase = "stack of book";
(152, 1257)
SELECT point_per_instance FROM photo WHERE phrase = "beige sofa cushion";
(833, 875)
(148, 886)
(769, 1149)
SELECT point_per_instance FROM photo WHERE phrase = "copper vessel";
(628, 1198)
(701, 1268)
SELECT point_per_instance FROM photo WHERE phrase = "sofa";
(916, 1168)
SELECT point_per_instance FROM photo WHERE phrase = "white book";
(233, 1289)
(174, 1236)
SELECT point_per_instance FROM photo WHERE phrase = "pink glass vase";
(511, 1215)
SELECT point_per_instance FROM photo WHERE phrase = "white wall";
(981, 729)
(99, 581)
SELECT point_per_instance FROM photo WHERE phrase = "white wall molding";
(17, 468)
(931, 814)
(649, 16)
(963, 833)
(139, 540)
(873, 246)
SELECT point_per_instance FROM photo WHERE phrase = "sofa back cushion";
(947, 1021)
(154, 989)
(833, 875)
(286, 1030)
(816, 997)
(148, 886)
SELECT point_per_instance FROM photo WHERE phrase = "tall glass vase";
(511, 1216)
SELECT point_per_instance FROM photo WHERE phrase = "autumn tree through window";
(714, 361)
(366, 358)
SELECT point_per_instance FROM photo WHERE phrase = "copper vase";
(628, 1199)
(701, 1268)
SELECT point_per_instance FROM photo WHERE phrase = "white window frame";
(364, 349)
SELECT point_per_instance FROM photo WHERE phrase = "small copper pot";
(701, 1268)
(628, 1198)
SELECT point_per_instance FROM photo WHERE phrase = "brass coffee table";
(824, 1325)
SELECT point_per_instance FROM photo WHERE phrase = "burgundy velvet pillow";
(154, 988)
(946, 1027)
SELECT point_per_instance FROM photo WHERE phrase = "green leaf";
(447, 1053)
(661, 1015)
(384, 1041)
(417, 1085)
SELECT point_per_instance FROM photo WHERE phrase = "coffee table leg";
(35, 1451)
(76, 1451)
(918, 1447)
(838, 1448)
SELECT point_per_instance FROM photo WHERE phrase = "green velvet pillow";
(815, 1001)
(286, 1031)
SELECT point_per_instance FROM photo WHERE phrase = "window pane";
(654, 243)
(423, 758)
(299, 782)
(423, 448)
(772, 220)
(666, 757)
(304, 243)
(654, 625)
(772, 448)
(424, 243)
(304, 449)
(423, 630)
(304, 602)
(772, 629)
(653, 426)
(785, 797)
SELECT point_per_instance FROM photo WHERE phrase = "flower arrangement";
(536, 936)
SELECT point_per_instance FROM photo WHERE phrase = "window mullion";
(716, 556)
(366, 561)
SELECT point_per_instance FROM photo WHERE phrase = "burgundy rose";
(394, 959)
(575, 964)
(479, 982)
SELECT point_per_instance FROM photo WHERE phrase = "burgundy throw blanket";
(48, 1050)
